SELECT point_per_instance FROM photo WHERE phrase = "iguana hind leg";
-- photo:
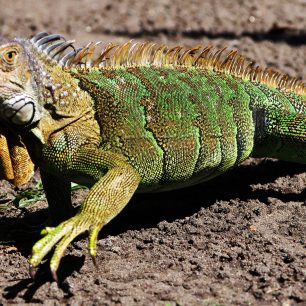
(104, 201)
(281, 135)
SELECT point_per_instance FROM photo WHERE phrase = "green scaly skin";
(149, 128)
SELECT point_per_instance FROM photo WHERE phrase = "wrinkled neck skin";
(60, 99)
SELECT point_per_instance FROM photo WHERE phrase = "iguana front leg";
(58, 193)
(108, 196)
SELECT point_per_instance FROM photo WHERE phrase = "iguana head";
(18, 89)
(36, 96)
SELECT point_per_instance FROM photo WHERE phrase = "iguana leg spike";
(47, 230)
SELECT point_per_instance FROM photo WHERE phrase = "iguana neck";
(60, 97)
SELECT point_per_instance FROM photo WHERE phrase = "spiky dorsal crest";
(54, 48)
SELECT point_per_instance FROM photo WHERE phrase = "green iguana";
(138, 116)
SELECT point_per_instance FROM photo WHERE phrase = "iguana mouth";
(21, 110)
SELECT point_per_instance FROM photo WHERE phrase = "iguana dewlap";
(16, 165)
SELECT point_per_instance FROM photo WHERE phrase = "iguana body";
(140, 117)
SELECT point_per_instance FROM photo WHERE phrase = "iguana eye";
(10, 56)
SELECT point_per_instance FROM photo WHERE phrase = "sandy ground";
(236, 240)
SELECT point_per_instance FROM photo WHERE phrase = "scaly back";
(187, 112)
(54, 48)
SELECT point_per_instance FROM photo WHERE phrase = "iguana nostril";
(24, 115)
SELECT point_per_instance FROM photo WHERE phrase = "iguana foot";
(105, 199)
(61, 236)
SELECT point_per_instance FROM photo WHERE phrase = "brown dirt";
(237, 240)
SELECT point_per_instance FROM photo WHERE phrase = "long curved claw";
(62, 235)
(95, 262)
(32, 271)
(54, 276)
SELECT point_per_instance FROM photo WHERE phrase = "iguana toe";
(60, 237)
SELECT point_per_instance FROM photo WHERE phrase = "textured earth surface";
(236, 240)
